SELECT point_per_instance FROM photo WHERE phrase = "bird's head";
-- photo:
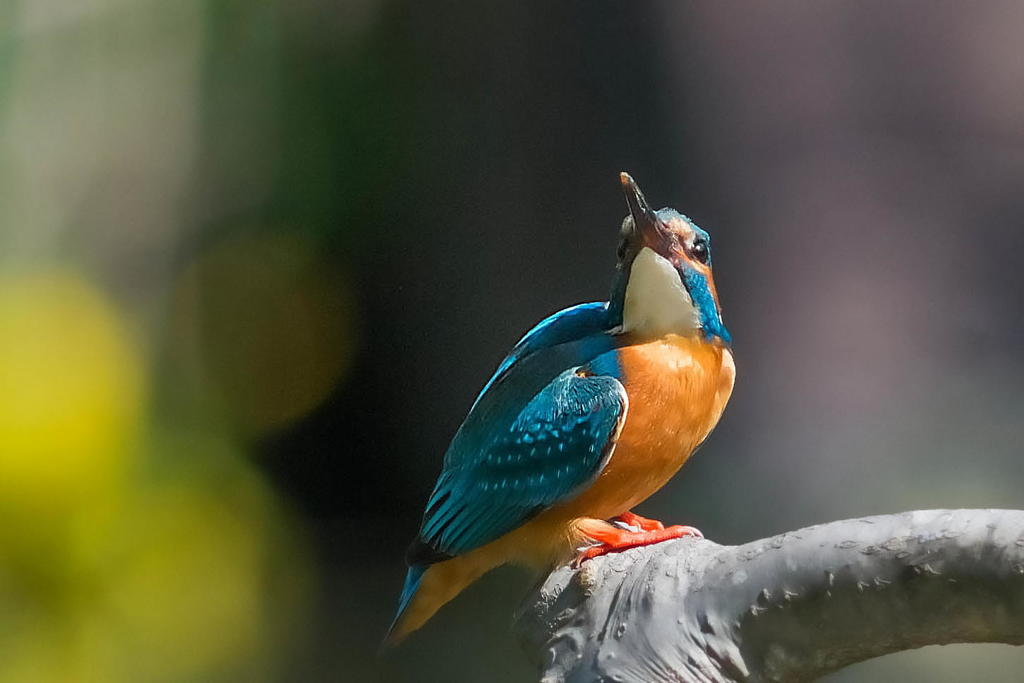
(663, 278)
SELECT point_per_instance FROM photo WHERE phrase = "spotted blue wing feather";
(559, 442)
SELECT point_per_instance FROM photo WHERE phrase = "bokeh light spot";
(265, 323)
(72, 390)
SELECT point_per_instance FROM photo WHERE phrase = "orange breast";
(677, 387)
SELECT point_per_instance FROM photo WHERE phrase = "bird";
(591, 412)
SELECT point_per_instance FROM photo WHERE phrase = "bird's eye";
(700, 251)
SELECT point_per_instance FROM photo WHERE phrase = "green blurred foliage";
(142, 348)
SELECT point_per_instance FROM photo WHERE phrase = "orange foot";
(630, 519)
(612, 538)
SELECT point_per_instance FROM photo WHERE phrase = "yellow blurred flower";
(194, 576)
(72, 391)
(126, 553)
(203, 577)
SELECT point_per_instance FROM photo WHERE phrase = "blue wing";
(559, 441)
(538, 431)
(567, 325)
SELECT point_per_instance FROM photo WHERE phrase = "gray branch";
(788, 608)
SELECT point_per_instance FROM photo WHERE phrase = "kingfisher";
(591, 412)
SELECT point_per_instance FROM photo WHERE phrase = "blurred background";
(257, 258)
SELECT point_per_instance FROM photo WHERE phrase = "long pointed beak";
(644, 219)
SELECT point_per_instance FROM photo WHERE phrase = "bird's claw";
(639, 523)
(618, 539)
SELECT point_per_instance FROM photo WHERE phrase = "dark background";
(320, 225)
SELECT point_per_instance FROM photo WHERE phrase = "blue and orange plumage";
(593, 411)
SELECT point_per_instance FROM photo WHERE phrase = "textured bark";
(788, 608)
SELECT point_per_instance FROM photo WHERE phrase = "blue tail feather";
(412, 583)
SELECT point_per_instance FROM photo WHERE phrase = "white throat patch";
(656, 300)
